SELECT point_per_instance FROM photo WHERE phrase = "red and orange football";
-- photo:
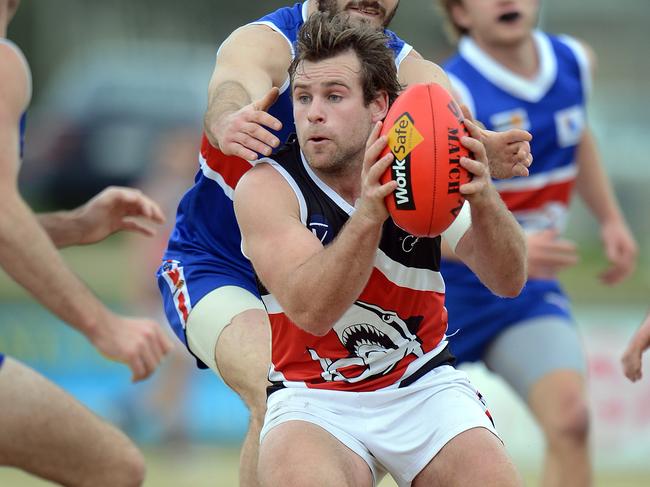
(424, 127)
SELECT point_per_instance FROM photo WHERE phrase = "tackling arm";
(251, 66)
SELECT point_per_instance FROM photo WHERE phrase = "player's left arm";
(493, 246)
(594, 187)
(508, 152)
(113, 210)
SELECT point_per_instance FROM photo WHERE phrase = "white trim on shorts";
(385, 427)
(211, 315)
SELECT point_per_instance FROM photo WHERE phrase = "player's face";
(378, 12)
(332, 121)
(498, 22)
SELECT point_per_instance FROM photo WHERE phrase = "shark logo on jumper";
(376, 340)
(403, 137)
(320, 227)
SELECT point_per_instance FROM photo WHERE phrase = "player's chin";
(510, 35)
(376, 21)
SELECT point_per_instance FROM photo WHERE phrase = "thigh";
(474, 457)
(299, 453)
(48, 433)
(530, 350)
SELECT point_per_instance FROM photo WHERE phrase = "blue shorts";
(476, 316)
(2, 359)
(184, 283)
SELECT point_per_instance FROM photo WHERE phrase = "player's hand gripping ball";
(424, 127)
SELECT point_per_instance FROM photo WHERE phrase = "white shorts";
(211, 315)
(397, 431)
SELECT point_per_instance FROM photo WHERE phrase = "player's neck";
(521, 58)
(345, 183)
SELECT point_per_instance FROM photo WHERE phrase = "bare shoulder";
(263, 186)
(15, 86)
(415, 69)
(257, 42)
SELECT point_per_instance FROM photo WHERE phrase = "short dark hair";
(323, 37)
(452, 29)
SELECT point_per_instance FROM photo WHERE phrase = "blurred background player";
(381, 396)
(632, 357)
(45, 431)
(209, 291)
(511, 75)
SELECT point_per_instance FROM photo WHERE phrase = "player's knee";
(257, 413)
(572, 425)
(132, 469)
(128, 469)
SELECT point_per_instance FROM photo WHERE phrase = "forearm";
(30, 258)
(497, 248)
(327, 284)
(224, 97)
(592, 182)
(62, 227)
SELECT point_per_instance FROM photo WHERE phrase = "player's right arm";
(30, 258)
(251, 66)
(314, 284)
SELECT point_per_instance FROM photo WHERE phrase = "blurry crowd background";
(119, 93)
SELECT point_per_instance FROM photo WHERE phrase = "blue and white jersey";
(206, 227)
(552, 108)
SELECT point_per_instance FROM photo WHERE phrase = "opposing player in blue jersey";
(208, 286)
(511, 75)
(43, 430)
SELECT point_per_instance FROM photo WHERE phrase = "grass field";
(202, 466)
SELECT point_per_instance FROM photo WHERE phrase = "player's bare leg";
(243, 356)
(474, 457)
(48, 433)
(301, 454)
(558, 402)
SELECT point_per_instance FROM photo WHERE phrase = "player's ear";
(459, 15)
(379, 106)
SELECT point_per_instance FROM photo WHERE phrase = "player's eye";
(335, 98)
(303, 99)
